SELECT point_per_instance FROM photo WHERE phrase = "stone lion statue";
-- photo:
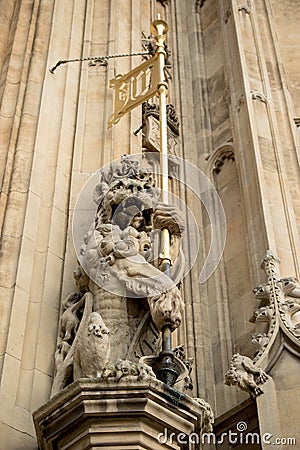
(120, 265)
(120, 251)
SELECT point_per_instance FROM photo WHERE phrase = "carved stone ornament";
(199, 4)
(151, 128)
(277, 323)
(228, 155)
(184, 383)
(208, 417)
(277, 312)
(227, 15)
(246, 375)
(240, 103)
(183, 367)
(259, 96)
(123, 299)
(216, 160)
(127, 369)
(164, 3)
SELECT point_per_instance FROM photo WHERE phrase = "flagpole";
(159, 28)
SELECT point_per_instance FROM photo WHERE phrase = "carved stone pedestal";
(123, 415)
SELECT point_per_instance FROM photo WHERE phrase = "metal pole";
(159, 28)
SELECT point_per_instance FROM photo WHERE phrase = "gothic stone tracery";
(276, 314)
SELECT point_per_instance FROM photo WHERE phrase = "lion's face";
(125, 199)
(167, 308)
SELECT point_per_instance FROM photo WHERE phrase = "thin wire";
(92, 58)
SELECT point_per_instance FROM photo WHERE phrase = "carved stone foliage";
(277, 323)
(184, 383)
(246, 375)
(208, 415)
(123, 298)
(278, 307)
(127, 369)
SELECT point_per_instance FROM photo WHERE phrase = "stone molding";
(219, 156)
(122, 415)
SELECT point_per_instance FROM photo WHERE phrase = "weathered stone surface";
(118, 259)
(124, 415)
(244, 374)
(235, 79)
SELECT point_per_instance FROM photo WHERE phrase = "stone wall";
(235, 87)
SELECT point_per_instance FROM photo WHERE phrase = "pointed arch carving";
(222, 154)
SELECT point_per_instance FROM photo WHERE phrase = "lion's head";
(167, 308)
(124, 192)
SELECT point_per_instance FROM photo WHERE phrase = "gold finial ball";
(159, 27)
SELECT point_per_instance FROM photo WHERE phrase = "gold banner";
(134, 88)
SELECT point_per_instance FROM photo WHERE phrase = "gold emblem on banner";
(134, 88)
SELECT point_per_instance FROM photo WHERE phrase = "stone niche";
(103, 414)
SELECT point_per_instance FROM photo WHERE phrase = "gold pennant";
(134, 88)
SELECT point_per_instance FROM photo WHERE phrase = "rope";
(93, 58)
